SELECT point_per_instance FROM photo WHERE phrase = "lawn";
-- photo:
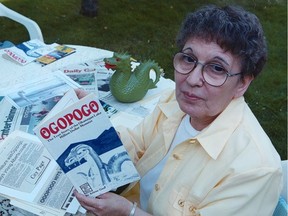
(147, 29)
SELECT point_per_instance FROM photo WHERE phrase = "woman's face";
(200, 100)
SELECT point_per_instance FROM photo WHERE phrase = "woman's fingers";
(81, 93)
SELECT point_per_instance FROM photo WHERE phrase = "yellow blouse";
(229, 168)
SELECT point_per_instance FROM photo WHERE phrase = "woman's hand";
(80, 93)
(106, 204)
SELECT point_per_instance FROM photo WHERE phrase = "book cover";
(86, 146)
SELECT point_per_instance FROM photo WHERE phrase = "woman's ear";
(243, 85)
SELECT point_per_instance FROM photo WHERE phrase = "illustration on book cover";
(96, 166)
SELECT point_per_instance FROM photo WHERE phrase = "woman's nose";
(195, 77)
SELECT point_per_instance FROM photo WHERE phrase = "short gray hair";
(233, 29)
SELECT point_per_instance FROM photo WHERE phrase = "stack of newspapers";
(52, 143)
(30, 177)
(40, 179)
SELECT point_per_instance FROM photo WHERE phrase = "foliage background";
(147, 29)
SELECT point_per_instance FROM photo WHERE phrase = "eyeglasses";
(213, 74)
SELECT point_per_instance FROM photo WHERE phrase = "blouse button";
(193, 211)
(157, 187)
(192, 141)
(176, 157)
(181, 202)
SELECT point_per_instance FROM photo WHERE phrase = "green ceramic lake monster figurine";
(127, 85)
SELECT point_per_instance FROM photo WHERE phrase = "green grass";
(147, 29)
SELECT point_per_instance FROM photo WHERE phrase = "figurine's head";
(118, 60)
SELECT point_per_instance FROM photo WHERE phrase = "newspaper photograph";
(28, 104)
(92, 76)
(24, 118)
(40, 89)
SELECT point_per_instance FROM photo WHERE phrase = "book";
(87, 147)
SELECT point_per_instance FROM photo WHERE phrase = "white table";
(12, 73)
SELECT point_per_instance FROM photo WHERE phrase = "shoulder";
(242, 137)
(255, 145)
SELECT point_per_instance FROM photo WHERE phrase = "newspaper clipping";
(29, 173)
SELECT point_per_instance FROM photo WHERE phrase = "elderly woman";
(202, 151)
